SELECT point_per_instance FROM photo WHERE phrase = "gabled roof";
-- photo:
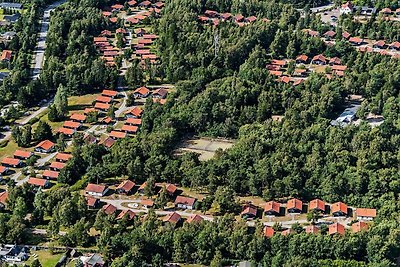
(147, 202)
(363, 212)
(136, 111)
(45, 145)
(103, 99)
(195, 218)
(134, 121)
(249, 210)
(37, 181)
(51, 174)
(336, 228)
(386, 10)
(63, 156)
(142, 91)
(347, 5)
(110, 93)
(330, 34)
(302, 58)
(78, 117)
(278, 62)
(95, 188)
(117, 6)
(102, 106)
(294, 203)
(91, 201)
(188, 201)
(129, 128)
(130, 214)
(172, 218)
(359, 226)
(346, 35)
(106, 33)
(2, 169)
(11, 161)
(339, 207)
(316, 204)
(335, 60)
(6, 55)
(3, 197)
(311, 229)
(117, 134)
(319, 57)
(272, 206)
(395, 45)
(355, 40)
(109, 209)
(22, 154)
(339, 67)
(268, 231)
(108, 142)
(100, 39)
(171, 188)
(66, 131)
(71, 124)
(380, 43)
(161, 92)
(126, 185)
(57, 165)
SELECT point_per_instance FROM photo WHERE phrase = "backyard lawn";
(45, 257)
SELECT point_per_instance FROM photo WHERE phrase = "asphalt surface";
(42, 36)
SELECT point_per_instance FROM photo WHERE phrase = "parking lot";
(330, 17)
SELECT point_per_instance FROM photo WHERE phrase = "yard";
(205, 147)
(46, 258)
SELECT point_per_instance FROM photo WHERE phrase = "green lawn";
(9, 149)
(45, 257)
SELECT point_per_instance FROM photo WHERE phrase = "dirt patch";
(204, 146)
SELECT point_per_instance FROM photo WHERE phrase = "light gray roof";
(10, 5)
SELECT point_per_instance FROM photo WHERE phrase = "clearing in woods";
(204, 146)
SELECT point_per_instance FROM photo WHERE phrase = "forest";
(225, 90)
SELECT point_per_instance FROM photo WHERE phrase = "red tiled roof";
(330, 34)
(150, 36)
(142, 91)
(355, 40)
(336, 228)
(63, 156)
(2, 169)
(339, 67)
(102, 106)
(46, 145)
(103, 99)
(72, 124)
(129, 128)
(171, 188)
(395, 45)
(3, 197)
(134, 121)
(132, 3)
(37, 181)
(172, 218)
(6, 55)
(121, 30)
(57, 165)
(276, 72)
(363, 212)
(295, 204)
(302, 58)
(311, 229)
(339, 206)
(50, 174)
(268, 231)
(317, 204)
(335, 60)
(380, 43)
(109, 142)
(188, 201)
(272, 206)
(10, 161)
(113, 20)
(319, 58)
(359, 226)
(95, 188)
(128, 213)
(346, 35)
(147, 202)
(22, 154)
(100, 39)
(136, 111)
(161, 92)
(110, 93)
(109, 209)
(106, 33)
(195, 218)
(88, 110)
(117, 134)
(78, 117)
(278, 62)
(66, 131)
(91, 201)
(117, 6)
(126, 185)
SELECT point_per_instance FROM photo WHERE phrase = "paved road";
(118, 204)
(41, 45)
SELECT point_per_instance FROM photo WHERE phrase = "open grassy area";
(79, 103)
(9, 149)
(45, 257)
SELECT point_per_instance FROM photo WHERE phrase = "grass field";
(45, 258)
(205, 147)
(9, 149)
(77, 103)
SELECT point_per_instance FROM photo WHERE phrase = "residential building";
(294, 206)
(173, 218)
(317, 205)
(13, 253)
(92, 260)
(339, 209)
(109, 209)
(182, 202)
(195, 218)
(38, 182)
(269, 231)
(48, 174)
(364, 214)
(96, 190)
(336, 228)
(272, 208)
(128, 213)
(11, 162)
(125, 187)
(63, 157)
(45, 146)
(22, 155)
(346, 8)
